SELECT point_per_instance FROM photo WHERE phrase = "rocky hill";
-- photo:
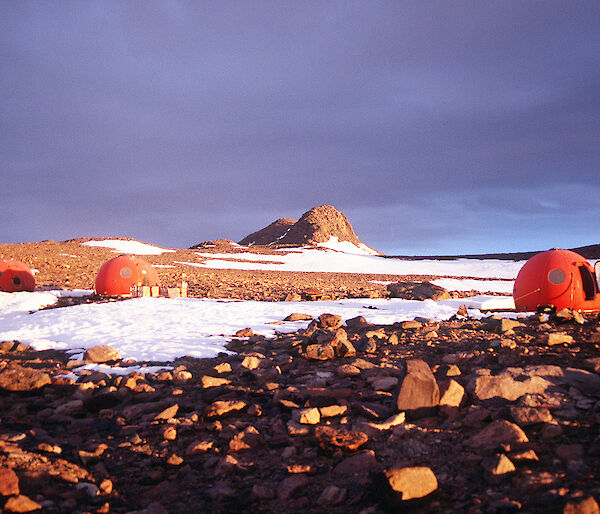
(318, 225)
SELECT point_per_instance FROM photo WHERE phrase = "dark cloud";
(177, 122)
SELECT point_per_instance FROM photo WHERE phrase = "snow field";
(161, 329)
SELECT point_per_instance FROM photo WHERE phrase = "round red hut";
(15, 276)
(117, 275)
(557, 279)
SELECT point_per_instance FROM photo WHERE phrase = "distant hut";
(15, 276)
(118, 275)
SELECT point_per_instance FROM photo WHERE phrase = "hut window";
(16, 281)
(125, 272)
(556, 276)
(589, 284)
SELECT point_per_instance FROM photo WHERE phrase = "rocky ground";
(465, 415)
(460, 416)
(71, 265)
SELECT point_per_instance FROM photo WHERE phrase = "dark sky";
(436, 127)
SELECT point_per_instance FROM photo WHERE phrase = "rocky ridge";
(467, 415)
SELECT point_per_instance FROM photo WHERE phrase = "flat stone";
(308, 416)
(385, 383)
(346, 439)
(223, 407)
(525, 416)
(332, 495)
(330, 411)
(21, 503)
(372, 428)
(168, 413)
(223, 367)
(207, 381)
(289, 486)
(557, 338)
(505, 386)
(298, 316)
(199, 447)
(496, 433)
(347, 370)
(357, 464)
(411, 482)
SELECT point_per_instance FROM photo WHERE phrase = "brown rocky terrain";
(466, 415)
(71, 265)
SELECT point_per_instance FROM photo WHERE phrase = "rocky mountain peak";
(318, 225)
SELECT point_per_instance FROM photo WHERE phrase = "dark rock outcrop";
(270, 234)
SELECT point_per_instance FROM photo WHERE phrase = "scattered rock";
(411, 482)
(496, 433)
(17, 378)
(557, 338)
(586, 505)
(331, 437)
(358, 464)
(289, 486)
(419, 391)
(244, 332)
(9, 482)
(102, 353)
(21, 503)
(297, 316)
(499, 465)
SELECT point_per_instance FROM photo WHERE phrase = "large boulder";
(417, 291)
(419, 392)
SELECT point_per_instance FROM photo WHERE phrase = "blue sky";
(436, 127)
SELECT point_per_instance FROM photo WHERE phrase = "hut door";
(590, 287)
(597, 272)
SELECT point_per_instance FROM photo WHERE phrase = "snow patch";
(492, 286)
(347, 247)
(331, 261)
(131, 247)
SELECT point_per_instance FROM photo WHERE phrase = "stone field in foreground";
(459, 416)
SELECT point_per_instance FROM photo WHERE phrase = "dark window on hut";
(590, 287)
